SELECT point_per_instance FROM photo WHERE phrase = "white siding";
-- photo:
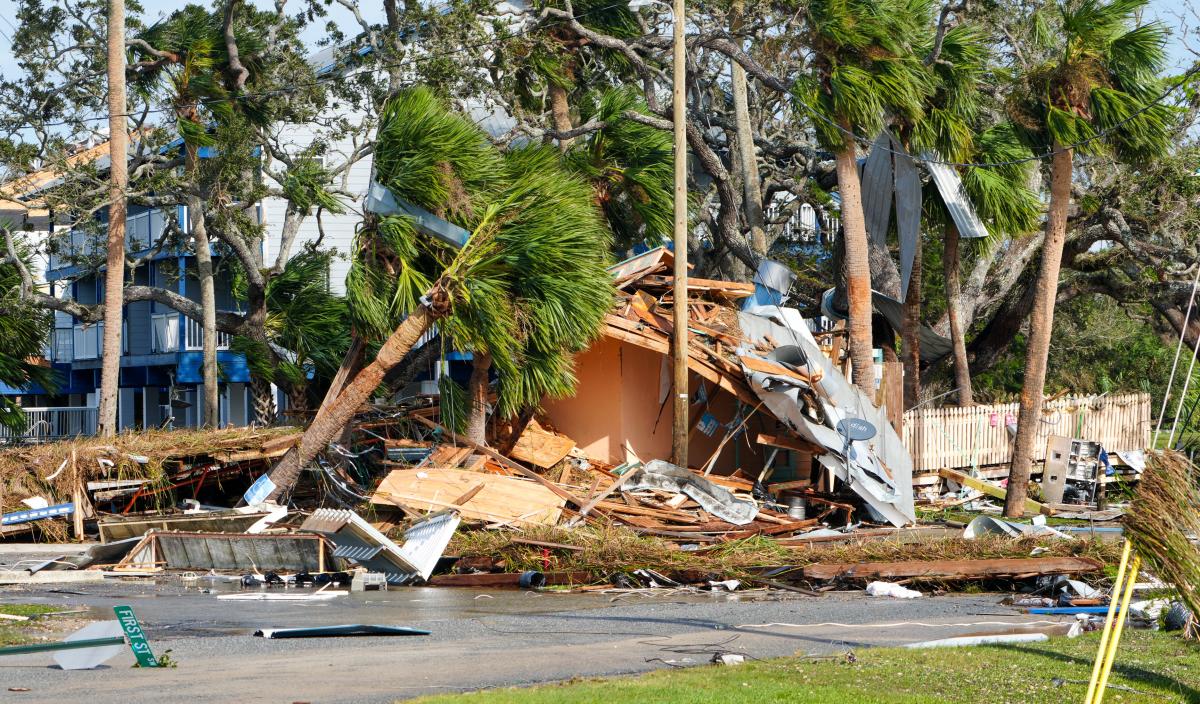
(339, 229)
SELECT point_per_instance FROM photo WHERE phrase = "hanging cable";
(1178, 348)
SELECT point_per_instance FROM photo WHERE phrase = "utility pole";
(679, 437)
(114, 277)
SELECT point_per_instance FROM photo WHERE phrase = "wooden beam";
(954, 569)
(992, 490)
(789, 443)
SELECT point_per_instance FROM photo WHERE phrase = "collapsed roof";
(766, 354)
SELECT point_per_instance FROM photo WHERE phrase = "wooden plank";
(541, 448)
(520, 468)
(992, 490)
(500, 498)
(592, 503)
(954, 569)
(789, 443)
(768, 367)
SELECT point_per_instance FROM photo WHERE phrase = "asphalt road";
(480, 639)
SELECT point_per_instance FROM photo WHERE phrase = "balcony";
(164, 332)
(142, 230)
(46, 423)
(87, 341)
(194, 336)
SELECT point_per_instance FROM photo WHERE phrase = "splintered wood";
(506, 500)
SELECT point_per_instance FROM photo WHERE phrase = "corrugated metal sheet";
(954, 437)
(955, 197)
(908, 212)
(877, 189)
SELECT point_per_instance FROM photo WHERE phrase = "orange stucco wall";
(618, 399)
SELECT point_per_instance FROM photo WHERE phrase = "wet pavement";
(479, 638)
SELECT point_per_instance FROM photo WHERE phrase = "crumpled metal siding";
(879, 470)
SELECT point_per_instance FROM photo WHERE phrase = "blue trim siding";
(232, 364)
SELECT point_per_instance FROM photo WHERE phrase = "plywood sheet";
(541, 448)
(502, 499)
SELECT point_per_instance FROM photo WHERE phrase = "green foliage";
(304, 319)
(1096, 347)
(631, 167)
(530, 288)
(865, 67)
(1099, 77)
(24, 330)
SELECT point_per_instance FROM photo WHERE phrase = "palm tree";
(557, 63)
(630, 167)
(863, 68)
(24, 329)
(1094, 92)
(946, 128)
(191, 67)
(528, 289)
(1008, 206)
(307, 331)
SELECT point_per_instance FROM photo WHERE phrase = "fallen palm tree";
(526, 290)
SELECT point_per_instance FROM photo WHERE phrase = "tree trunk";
(751, 183)
(208, 294)
(298, 401)
(858, 269)
(263, 399)
(114, 277)
(910, 333)
(560, 111)
(477, 391)
(337, 414)
(1041, 323)
(951, 264)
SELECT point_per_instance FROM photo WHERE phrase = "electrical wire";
(898, 624)
(1175, 363)
(1163, 95)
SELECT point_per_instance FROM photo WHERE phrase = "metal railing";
(53, 423)
(194, 337)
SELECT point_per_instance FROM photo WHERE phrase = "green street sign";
(137, 637)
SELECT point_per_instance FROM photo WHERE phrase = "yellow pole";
(1120, 625)
(1108, 622)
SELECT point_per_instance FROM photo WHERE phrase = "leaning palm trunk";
(477, 392)
(337, 414)
(910, 334)
(950, 262)
(858, 269)
(1041, 323)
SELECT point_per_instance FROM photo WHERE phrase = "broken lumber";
(992, 490)
(953, 569)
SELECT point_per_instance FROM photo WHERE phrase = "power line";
(1024, 160)
(294, 88)
(1163, 95)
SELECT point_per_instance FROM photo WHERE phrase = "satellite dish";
(855, 429)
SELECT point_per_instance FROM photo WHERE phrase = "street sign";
(137, 638)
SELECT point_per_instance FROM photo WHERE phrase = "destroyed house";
(765, 401)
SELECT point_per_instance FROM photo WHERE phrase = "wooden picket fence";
(955, 437)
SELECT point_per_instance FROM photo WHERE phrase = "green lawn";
(17, 632)
(1163, 666)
